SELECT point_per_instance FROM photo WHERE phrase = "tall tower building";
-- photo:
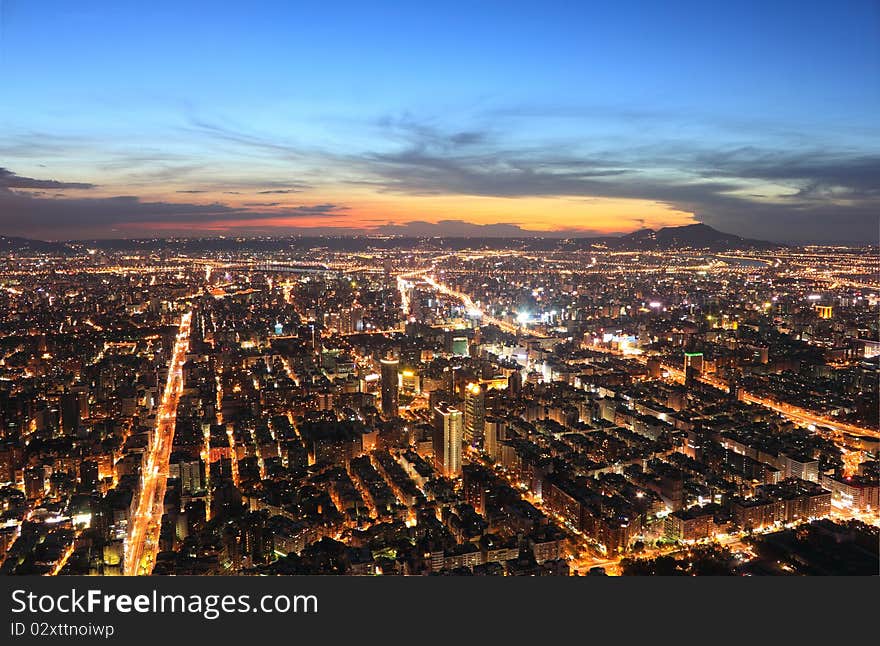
(474, 414)
(495, 433)
(390, 388)
(88, 474)
(733, 386)
(316, 338)
(448, 435)
(69, 413)
(693, 366)
(514, 383)
(693, 360)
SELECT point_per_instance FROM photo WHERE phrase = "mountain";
(25, 245)
(697, 236)
(694, 236)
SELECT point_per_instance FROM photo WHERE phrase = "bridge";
(283, 267)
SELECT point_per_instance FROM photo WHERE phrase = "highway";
(142, 542)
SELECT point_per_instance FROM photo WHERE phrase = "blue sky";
(756, 118)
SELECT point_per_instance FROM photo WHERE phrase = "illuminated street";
(142, 543)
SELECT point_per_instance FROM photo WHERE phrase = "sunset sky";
(130, 119)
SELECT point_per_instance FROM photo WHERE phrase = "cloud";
(467, 138)
(9, 180)
(815, 194)
(420, 171)
(242, 139)
(802, 222)
(429, 161)
(796, 186)
(40, 145)
(317, 209)
(64, 217)
(817, 173)
(463, 229)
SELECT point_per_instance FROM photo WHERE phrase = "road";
(472, 307)
(806, 418)
(611, 565)
(142, 543)
(798, 415)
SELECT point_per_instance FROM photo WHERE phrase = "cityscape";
(658, 404)
(556, 289)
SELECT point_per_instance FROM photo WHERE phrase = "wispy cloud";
(463, 229)
(34, 213)
(816, 190)
(793, 186)
(284, 191)
(9, 180)
(240, 138)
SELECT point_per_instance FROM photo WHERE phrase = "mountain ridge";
(695, 236)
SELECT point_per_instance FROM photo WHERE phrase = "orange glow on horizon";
(368, 212)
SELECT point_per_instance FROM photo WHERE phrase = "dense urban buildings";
(438, 406)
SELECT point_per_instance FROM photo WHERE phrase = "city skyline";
(421, 408)
(496, 120)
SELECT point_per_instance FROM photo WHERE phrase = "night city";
(474, 289)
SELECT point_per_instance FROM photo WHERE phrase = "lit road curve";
(470, 305)
(807, 418)
(142, 543)
(794, 413)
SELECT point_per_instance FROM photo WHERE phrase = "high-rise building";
(448, 435)
(82, 391)
(390, 387)
(514, 383)
(733, 386)
(69, 413)
(88, 474)
(316, 338)
(474, 414)
(494, 434)
(256, 538)
(189, 471)
(352, 320)
(693, 360)
(410, 381)
(34, 482)
(693, 366)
